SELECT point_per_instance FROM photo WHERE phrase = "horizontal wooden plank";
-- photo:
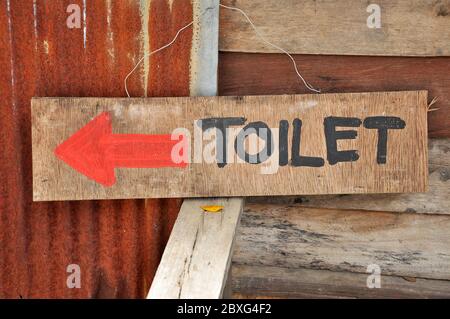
(197, 257)
(401, 244)
(256, 74)
(75, 150)
(352, 27)
(435, 201)
(278, 282)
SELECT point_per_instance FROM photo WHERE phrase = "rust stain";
(172, 64)
(118, 244)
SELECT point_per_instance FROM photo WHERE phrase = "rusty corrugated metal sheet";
(116, 243)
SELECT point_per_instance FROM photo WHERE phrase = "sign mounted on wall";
(99, 148)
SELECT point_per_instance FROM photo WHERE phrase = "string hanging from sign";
(273, 45)
(433, 101)
(307, 85)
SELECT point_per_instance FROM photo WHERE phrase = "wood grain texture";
(405, 245)
(260, 74)
(408, 28)
(278, 282)
(197, 257)
(435, 201)
(173, 278)
(54, 120)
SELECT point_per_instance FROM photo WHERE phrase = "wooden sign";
(98, 148)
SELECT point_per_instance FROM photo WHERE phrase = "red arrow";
(95, 151)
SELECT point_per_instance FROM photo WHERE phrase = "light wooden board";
(435, 201)
(174, 279)
(411, 245)
(197, 257)
(408, 27)
(56, 119)
(279, 282)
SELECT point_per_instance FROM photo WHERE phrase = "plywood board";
(384, 27)
(96, 135)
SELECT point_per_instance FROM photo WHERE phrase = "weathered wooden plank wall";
(310, 261)
(408, 244)
(256, 74)
(281, 282)
(290, 251)
(351, 27)
(435, 201)
(116, 243)
(263, 269)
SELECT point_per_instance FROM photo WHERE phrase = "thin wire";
(153, 52)
(273, 45)
(429, 109)
(307, 85)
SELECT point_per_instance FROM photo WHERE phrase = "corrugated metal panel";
(116, 243)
